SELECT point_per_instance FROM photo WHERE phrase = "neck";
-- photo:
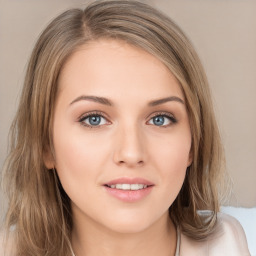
(90, 238)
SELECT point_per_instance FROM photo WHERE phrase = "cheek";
(71, 155)
(77, 167)
(80, 159)
(171, 160)
(74, 158)
(75, 150)
(174, 152)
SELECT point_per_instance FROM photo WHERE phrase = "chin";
(129, 223)
(129, 227)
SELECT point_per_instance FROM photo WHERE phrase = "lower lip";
(129, 195)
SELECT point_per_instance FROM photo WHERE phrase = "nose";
(129, 147)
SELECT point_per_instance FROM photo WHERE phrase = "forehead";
(113, 68)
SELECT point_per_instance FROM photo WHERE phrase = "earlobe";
(48, 160)
(190, 158)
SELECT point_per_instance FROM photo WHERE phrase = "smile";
(129, 189)
(128, 186)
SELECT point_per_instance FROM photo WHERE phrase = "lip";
(129, 195)
(126, 180)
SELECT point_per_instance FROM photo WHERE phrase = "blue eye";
(162, 120)
(93, 120)
(96, 120)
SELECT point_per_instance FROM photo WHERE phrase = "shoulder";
(7, 247)
(228, 239)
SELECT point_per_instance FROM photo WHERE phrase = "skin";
(126, 143)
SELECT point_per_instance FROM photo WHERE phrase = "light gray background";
(222, 31)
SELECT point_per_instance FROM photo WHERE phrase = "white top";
(228, 239)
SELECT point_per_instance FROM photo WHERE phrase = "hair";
(38, 206)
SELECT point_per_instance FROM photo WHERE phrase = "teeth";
(129, 186)
(137, 186)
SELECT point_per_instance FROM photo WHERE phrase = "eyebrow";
(100, 100)
(164, 100)
(108, 102)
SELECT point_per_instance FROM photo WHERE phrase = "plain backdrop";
(224, 35)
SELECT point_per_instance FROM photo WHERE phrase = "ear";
(48, 159)
(190, 158)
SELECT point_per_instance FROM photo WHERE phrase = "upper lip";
(126, 180)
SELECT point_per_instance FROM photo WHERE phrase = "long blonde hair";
(38, 206)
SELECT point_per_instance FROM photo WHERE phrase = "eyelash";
(171, 118)
(91, 114)
(81, 120)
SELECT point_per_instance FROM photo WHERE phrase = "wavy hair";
(38, 206)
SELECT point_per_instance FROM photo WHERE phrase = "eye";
(93, 120)
(163, 120)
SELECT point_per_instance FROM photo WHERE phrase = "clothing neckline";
(177, 252)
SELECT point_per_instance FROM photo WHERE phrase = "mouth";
(128, 186)
(129, 189)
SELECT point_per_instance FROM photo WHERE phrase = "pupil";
(159, 120)
(94, 120)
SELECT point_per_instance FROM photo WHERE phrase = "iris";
(158, 120)
(94, 120)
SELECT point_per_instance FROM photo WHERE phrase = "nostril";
(131, 163)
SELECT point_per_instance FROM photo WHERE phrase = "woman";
(115, 146)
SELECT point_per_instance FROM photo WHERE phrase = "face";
(121, 136)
